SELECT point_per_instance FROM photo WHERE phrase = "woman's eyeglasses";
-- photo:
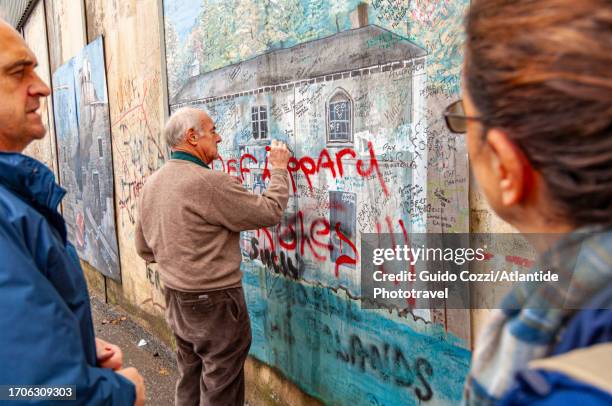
(455, 118)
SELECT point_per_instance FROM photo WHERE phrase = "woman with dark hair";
(537, 110)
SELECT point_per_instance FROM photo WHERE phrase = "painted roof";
(342, 52)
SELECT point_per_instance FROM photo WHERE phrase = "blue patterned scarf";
(532, 315)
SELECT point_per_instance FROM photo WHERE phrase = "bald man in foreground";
(190, 218)
(46, 331)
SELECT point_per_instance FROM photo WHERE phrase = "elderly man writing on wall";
(189, 223)
(46, 330)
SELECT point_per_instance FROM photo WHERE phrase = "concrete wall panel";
(66, 30)
(133, 64)
(35, 34)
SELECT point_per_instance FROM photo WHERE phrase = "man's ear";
(510, 166)
(192, 137)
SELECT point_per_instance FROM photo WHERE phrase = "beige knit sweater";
(190, 220)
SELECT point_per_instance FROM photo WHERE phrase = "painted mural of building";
(351, 108)
(357, 90)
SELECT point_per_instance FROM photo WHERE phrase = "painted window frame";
(97, 186)
(259, 116)
(339, 95)
(100, 145)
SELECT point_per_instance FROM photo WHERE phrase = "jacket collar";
(31, 180)
(188, 157)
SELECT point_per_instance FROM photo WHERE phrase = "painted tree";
(282, 23)
(178, 65)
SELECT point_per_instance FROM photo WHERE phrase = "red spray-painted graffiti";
(283, 248)
(314, 236)
(309, 166)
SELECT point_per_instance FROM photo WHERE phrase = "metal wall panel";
(16, 12)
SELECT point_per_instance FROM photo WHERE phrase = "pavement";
(155, 361)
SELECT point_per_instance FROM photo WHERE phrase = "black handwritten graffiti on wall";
(157, 288)
(280, 264)
(384, 361)
(153, 278)
(390, 364)
(300, 315)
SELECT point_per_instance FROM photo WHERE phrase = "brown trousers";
(213, 337)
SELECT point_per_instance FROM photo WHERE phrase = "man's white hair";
(180, 122)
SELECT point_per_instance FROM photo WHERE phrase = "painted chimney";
(359, 17)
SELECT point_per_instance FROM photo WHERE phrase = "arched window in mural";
(340, 117)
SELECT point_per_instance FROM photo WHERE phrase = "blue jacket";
(46, 329)
(589, 328)
(551, 388)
